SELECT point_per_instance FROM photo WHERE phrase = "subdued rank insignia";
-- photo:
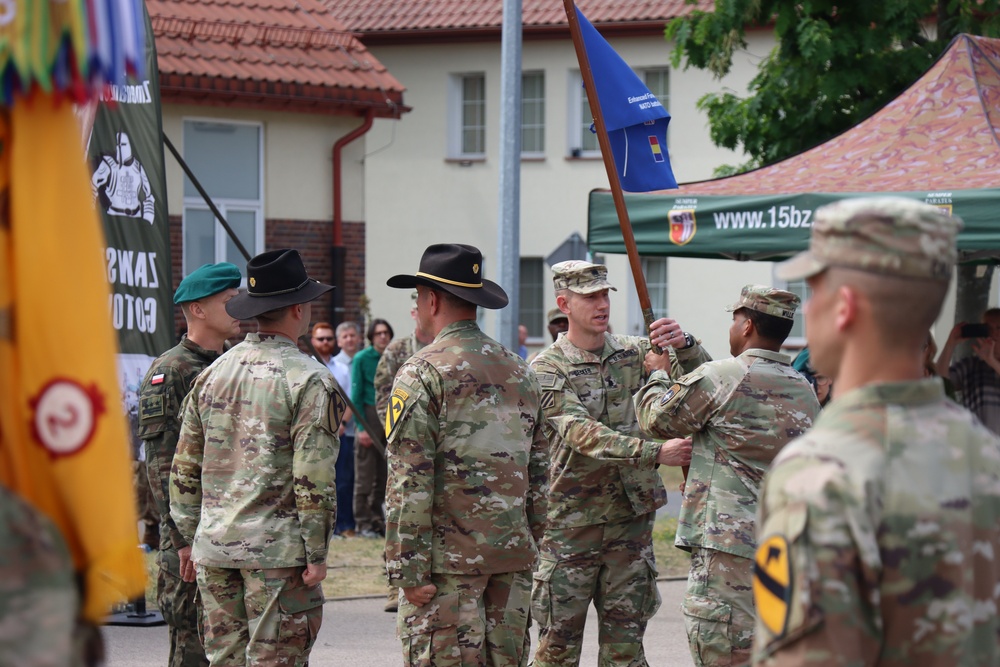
(396, 404)
(772, 584)
(670, 394)
(151, 406)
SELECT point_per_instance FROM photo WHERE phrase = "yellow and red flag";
(63, 442)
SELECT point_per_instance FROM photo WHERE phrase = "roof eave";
(481, 33)
(279, 96)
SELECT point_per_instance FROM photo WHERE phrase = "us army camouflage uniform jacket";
(395, 354)
(467, 458)
(879, 537)
(160, 425)
(740, 412)
(252, 484)
(602, 467)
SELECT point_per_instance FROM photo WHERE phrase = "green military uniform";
(741, 412)
(163, 390)
(878, 531)
(160, 396)
(604, 489)
(466, 497)
(252, 490)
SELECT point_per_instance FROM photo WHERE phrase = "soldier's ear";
(845, 307)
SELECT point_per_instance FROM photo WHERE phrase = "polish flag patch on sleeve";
(157, 379)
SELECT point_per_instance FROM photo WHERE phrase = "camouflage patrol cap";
(580, 277)
(555, 315)
(891, 236)
(767, 300)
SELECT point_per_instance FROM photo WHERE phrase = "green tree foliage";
(835, 64)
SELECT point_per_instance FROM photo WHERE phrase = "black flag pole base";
(135, 614)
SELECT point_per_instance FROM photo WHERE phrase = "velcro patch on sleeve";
(151, 407)
(670, 393)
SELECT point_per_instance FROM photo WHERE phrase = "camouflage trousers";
(613, 565)
(472, 621)
(718, 608)
(259, 617)
(181, 609)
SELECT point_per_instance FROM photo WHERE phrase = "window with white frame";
(226, 158)
(658, 82)
(798, 333)
(655, 270)
(533, 114)
(581, 141)
(468, 114)
(532, 293)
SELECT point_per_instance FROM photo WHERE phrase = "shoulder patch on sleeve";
(547, 380)
(782, 590)
(669, 394)
(399, 404)
(335, 409)
(151, 407)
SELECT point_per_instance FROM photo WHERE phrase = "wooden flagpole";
(609, 164)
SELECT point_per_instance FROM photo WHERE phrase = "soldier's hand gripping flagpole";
(639, 117)
(616, 188)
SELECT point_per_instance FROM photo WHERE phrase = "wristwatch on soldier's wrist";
(688, 341)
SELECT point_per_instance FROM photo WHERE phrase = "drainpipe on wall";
(338, 252)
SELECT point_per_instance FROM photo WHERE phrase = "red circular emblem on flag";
(65, 416)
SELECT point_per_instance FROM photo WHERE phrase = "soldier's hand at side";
(187, 567)
(675, 452)
(657, 362)
(420, 595)
(314, 574)
(364, 439)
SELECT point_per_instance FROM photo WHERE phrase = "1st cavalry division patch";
(396, 404)
(772, 584)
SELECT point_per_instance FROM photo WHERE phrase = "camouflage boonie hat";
(892, 236)
(580, 277)
(767, 300)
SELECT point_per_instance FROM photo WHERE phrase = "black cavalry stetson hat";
(275, 279)
(457, 269)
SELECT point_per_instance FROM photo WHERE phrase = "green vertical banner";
(130, 190)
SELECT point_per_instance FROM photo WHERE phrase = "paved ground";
(358, 633)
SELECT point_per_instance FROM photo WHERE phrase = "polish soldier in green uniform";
(604, 488)
(741, 412)
(467, 458)
(202, 296)
(252, 483)
(878, 533)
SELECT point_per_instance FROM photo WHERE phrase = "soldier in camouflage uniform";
(202, 295)
(604, 485)
(466, 494)
(397, 352)
(39, 595)
(878, 531)
(252, 484)
(742, 411)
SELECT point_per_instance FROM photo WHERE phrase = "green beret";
(207, 280)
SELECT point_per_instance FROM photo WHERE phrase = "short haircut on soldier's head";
(904, 309)
(452, 300)
(320, 325)
(273, 316)
(769, 327)
(990, 312)
(344, 326)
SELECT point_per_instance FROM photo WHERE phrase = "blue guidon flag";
(635, 119)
